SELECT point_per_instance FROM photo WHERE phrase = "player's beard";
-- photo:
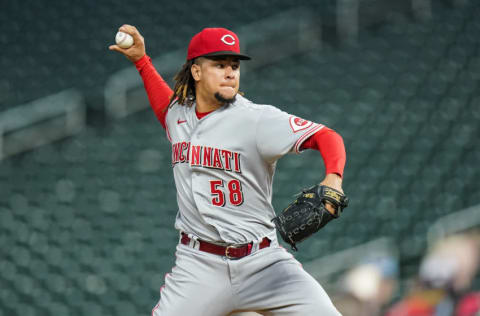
(224, 100)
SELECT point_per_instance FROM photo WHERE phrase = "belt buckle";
(226, 252)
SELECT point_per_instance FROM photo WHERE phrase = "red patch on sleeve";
(298, 124)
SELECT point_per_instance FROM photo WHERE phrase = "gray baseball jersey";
(223, 166)
(224, 163)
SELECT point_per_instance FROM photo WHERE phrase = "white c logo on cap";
(228, 39)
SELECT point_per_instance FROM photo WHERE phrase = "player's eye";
(235, 66)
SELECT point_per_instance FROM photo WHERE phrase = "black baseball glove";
(307, 214)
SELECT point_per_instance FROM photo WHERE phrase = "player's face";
(217, 78)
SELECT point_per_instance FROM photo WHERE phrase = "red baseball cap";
(215, 42)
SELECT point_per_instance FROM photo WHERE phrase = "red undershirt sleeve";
(331, 147)
(158, 91)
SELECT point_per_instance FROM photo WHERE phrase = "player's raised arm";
(158, 91)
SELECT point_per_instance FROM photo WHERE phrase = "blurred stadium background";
(87, 200)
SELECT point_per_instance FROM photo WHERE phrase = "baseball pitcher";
(224, 150)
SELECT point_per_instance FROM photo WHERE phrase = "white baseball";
(123, 40)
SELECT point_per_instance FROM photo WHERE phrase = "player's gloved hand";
(308, 213)
(137, 50)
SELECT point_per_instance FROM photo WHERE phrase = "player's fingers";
(133, 31)
(125, 28)
(129, 29)
(116, 48)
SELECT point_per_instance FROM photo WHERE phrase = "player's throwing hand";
(137, 50)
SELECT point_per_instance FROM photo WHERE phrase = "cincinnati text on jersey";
(205, 156)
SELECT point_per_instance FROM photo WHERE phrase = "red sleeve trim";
(158, 91)
(331, 147)
(298, 144)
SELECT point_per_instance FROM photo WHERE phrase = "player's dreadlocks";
(184, 90)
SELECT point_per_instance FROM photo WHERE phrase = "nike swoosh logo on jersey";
(180, 122)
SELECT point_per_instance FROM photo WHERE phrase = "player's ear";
(196, 72)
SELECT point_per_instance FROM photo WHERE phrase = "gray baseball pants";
(269, 281)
